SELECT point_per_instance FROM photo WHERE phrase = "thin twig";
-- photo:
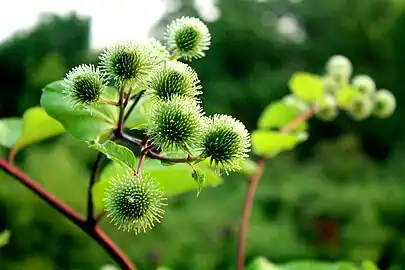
(189, 158)
(247, 207)
(131, 108)
(141, 162)
(95, 232)
(109, 101)
(100, 216)
(95, 174)
(122, 109)
(130, 139)
(251, 190)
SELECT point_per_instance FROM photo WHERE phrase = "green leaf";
(271, 143)
(306, 86)
(368, 265)
(174, 179)
(138, 119)
(261, 263)
(318, 265)
(118, 153)
(4, 238)
(37, 126)
(10, 130)
(346, 96)
(277, 115)
(82, 124)
(199, 177)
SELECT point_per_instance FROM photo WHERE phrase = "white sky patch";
(111, 20)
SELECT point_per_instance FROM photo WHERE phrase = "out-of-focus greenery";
(338, 197)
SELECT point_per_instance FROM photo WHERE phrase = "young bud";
(134, 203)
(158, 50)
(128, 62)
(226, 142)
(328, 109)
(330, 85)
(294, 102)
(384, 104)
(361, 108)
(339, 67)
(364, 84)
(176, 124)
(84, 85)
(188, 37)
(173, 78)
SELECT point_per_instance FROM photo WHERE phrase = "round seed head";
(188, 37)
(339, 67)
(173, 78)
(128, 62)
(176, 124)
(364, 84)
(384, 104)
(83, 85)
(134, 203)
(328, 109)
(226, 142)
(361, 108)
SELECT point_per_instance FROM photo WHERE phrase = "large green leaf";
(368, 265)
(118, 153)
(10, 130)
(37, 126)
(271, 143)
(174, 179)
(138, 119)
(261, 263)
(279, 114)
(317, 265)
(306, 86)
(82, 124)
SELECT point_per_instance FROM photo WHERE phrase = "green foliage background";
(339, 196)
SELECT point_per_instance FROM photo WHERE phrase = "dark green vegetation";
(339, 196)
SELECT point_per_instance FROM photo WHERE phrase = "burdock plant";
(143, 88)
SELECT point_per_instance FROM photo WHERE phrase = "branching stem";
(95, 174)
(251, 190)
(93, 231)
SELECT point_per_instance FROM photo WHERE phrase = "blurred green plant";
(4, 238)
(144, 87)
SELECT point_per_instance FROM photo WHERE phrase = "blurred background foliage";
(338, 196)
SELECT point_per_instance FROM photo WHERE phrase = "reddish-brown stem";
(251, 190)
(120, 126)
(141, 162)
(247, 206)
(93, 231)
